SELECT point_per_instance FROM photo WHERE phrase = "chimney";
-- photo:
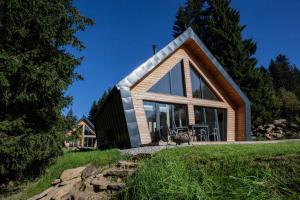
(154, 49)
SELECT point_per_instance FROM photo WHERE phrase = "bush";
(26, 157)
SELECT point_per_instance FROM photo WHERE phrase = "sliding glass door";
(164, 116)
(214, 118)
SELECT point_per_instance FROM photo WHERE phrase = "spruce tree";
(35, 70)
(285, 75)
(218, 25)
(92, 112)
(35, 67)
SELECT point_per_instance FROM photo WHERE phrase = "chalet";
(86, 134)
(182, 86)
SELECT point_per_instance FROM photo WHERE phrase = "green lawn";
(67, 161)
(251, 171)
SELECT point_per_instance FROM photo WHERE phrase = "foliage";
(19, 155)
(70, 124)
(35, 68)
(286, 79)
(218, 25)
(35, 71)
(254, 171)
(95, 106)
(289, 103)
(285, 75)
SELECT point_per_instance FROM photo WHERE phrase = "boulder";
(271, 125)
(293, 126)
(119, 173)
(126, 164)
(88, 171)
(71, 173)
(115, 186)
(41, 195)
(56, 181)
(269, 129)
(279, 121)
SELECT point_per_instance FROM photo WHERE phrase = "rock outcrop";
(89, 183)
(279, 129)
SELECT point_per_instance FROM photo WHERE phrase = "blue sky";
(125, 31)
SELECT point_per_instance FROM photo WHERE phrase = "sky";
(125, 30)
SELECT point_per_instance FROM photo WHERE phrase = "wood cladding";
(230, 100)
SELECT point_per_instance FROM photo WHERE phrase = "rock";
(269, 130)
(41, 195)
(56, 181)
(270, 137)
(115, 186)
(279, 121)
(88, 171)
(71, 173)
(100, 183)
(70, 182)
(126, 164)
(271, 125)
(119, 172)
(293, 126)
(64, 189)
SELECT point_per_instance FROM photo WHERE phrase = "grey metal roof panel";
(152, 62)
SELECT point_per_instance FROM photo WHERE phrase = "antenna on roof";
(154, 49)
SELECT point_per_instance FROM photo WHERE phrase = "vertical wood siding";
(235, 111)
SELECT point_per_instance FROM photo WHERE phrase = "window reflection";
(199, 87)
(171, 83)
(162, 116)
(214, 118)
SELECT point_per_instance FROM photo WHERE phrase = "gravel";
(153, 149)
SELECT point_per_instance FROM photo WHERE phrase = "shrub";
(26, 157)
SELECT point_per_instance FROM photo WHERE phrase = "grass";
(67, 161)
(252, 171)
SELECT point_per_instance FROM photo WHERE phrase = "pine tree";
(97, 105)
(285, 75)
(35, 67)
(35, 71)
(92, 112)
(218, 25)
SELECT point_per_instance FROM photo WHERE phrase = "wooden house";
(181, 85)
(86, 137)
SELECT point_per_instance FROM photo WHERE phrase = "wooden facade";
(190, 54)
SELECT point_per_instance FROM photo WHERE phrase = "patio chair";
(216, 134)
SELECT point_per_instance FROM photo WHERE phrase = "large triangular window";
(171, 83)
(200, 88)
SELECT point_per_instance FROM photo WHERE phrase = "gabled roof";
(161, 55)
(88, 122)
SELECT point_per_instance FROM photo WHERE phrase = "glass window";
(200, 88)
(180, 115)
(162, 116)
(151, 118)
(177, 80)
(163, 85)
(214, 118)
(171, 83)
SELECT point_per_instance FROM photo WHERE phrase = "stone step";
(100, 183)
(119, 172)
(126, 164)
(115, 186)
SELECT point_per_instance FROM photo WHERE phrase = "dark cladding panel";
(110, 123)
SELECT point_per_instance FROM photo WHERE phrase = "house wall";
(235, 112)
(110, 124)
